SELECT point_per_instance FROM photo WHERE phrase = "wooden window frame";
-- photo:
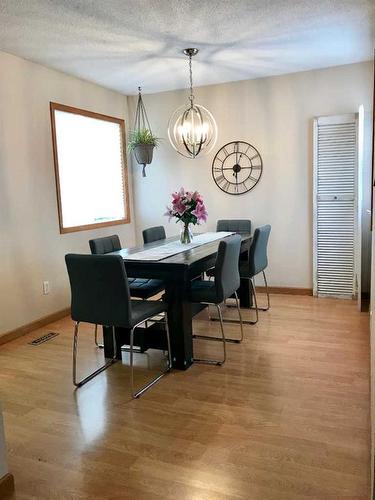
(54, 106)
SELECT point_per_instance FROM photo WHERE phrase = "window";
(91, 176)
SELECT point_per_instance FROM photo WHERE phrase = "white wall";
(31, 247)
(274, 114)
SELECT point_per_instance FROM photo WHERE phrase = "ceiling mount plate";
(190, 52)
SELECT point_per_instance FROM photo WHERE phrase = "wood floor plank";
(286, 418)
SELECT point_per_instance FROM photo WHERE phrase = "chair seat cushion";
(203, 291)
(145, 288)
(143, 309)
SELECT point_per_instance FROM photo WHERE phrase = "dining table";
(176, 264)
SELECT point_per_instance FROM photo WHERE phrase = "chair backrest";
(227, 276)
(240, 226)
(258, 260)
(100, 290)
(104, 245)
(153, 234)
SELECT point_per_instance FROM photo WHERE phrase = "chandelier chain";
(191, 79)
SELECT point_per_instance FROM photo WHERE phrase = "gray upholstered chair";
(153, 234)
(140, 288)
(100, 246)
(107, 244)
(226, 283)
(257, 263)
(101, 295)
(239, 226)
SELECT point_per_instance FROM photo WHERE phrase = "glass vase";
(186, 236)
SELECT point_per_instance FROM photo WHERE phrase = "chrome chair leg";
(244, 321)
(239, 314)
(252, 281)
(79, 383)
(259, 308)
(222, 334)
(168, 342)
(155, 319)
(138, 393)
(222, 339)
(267, 293)
(100, 346)
(230, 340)
(146, 324)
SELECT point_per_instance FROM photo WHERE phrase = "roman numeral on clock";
(220, 179)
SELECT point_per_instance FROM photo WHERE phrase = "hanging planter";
(142, 143)
(144, 153)
(141, 140)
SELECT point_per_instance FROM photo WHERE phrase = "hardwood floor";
(287, 417)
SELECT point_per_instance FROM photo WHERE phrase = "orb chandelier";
(192, 129)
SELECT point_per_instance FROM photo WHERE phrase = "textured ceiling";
(121, 44)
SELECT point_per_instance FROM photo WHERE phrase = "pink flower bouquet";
(188, 208)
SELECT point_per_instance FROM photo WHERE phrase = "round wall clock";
(237, 167)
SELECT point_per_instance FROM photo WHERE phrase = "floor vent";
(44, 338)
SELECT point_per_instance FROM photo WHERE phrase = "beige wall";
(275, 114)
(31, 247)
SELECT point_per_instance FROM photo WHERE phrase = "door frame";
(321, 120)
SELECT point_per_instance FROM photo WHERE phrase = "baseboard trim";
(6, 486)
(50, 318)
(286, 290)
(34, 325)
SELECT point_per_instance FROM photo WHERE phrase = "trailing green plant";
(142, 136)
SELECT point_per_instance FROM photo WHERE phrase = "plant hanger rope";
(141, 120)
(141, 139)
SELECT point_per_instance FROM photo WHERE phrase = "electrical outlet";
(45, 287)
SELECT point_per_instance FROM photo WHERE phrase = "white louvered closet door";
(335, 170)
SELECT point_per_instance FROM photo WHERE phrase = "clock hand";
(242, 168)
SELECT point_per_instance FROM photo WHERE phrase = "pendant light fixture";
(192, 129)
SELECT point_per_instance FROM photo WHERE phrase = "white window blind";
(90, 169)
(335, 165)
